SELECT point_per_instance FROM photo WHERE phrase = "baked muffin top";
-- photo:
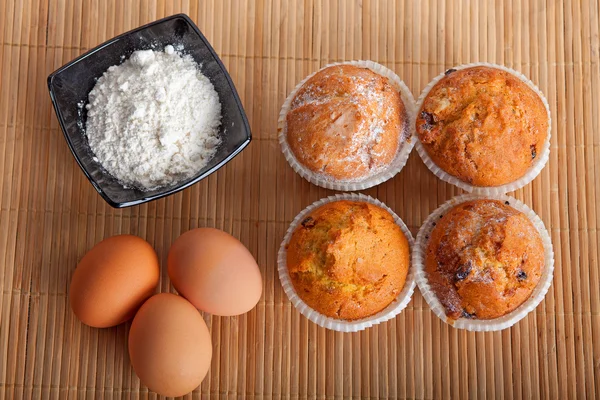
(348, 259)
(483, 259)
(482, 125)
(346, 123)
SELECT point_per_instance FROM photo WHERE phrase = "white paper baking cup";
(508, 320)
(337, 324)
(406, 144)
(530, 174)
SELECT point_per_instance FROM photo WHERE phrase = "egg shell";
(169, 345)
(112, 281)
(215, 272)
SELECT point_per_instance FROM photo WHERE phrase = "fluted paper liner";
(339, 325)
(530, 174)
(508, 320)
(406, 144)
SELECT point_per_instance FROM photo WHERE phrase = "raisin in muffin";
(483, 259)
(348, 259)
(345, 123)
(482, 125)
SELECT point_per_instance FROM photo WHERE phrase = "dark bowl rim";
(175, 189)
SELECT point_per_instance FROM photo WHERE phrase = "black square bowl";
(70, 85)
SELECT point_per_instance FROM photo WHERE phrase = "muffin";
(483, 125)
(483, 259)
(348, 259)
(345, 123)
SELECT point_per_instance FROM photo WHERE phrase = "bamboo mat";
(50, 215)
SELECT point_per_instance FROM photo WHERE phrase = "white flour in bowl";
(153, 120)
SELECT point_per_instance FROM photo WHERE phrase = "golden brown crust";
(483, 125)
(484, 259)
(345, 122)
(348, 260)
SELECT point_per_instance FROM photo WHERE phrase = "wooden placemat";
(50, 215)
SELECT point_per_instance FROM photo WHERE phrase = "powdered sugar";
(154, 120)
(361, 144)
(396, 165)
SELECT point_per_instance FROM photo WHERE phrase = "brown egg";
(112, 280)
(215, 272)
(169, 345)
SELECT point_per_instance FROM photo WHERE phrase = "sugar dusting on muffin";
(483, 260)
(483, 125)
(346, 123)
(348, 259)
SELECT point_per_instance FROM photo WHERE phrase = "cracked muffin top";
(346, 123)
(348, 259)
(482, 125)
(483, 259)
